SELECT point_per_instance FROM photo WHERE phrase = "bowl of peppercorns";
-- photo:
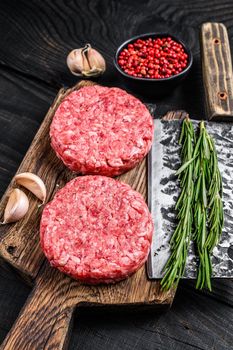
(153, 63)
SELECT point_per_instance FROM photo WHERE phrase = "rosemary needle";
(202, 179)
(215, 204)
(179, 243)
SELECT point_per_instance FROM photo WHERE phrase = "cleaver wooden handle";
(217, 72)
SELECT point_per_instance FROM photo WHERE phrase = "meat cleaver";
(164, 189)
(164, 160)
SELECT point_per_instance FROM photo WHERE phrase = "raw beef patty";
(96, 229)
(100, 130)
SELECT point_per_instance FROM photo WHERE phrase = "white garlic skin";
(33, 183)
(96, 62)
(17, 206)
(86, 62)
(75, 62)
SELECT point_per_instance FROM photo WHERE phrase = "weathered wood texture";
(35, 39)
(217, 71)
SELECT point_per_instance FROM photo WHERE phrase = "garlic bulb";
(86, 62)
(33, 183)
(17, 206)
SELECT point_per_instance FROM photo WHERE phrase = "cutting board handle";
(217, 72)
(45, 321)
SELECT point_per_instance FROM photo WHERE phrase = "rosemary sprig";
(202, 178)
(179, 243)
(208, 214)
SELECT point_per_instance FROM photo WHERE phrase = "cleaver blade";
(163, 192)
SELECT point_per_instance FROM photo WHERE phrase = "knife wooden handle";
(217, 72)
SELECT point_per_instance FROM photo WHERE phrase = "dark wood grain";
(43, 33)
(217, 71)
(35, 38)
(195, 321)
(24, 104)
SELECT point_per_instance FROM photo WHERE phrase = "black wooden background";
(36, 37)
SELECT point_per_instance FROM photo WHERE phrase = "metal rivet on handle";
(222, 95)
(216, 41)
(11, 249)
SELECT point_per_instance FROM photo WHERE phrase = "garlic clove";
(75, 62)
(17, 206)
(86, 62)
(96, 60)
(33, 183)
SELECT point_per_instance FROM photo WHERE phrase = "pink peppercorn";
(153, 58)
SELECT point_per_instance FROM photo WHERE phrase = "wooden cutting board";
(45, 320)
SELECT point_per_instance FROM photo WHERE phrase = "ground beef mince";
(97, 230)
(100, 130)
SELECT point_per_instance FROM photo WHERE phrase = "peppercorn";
(153, 58)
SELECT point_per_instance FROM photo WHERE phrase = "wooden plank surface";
(36, 37)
